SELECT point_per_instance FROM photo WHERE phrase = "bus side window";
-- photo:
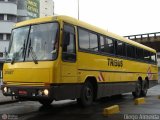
(68, 44)
(106, 45)
(147, 56)
(131, 51)
(153, 58)
(120, 48)
(139, 53)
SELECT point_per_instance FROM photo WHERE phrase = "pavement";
(61, 110)
(6, 100)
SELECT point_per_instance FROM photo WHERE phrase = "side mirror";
(66, 39)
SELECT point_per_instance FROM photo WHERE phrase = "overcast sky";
(123, 17)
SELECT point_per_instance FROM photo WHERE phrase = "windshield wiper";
(13, 59)
(33, 54)
(18, 54)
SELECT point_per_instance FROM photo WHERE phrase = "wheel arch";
(147, 79)
(140, 80)
(93, 81)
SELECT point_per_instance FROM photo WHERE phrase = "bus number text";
(115, 62)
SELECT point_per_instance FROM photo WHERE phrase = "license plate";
(22, 92)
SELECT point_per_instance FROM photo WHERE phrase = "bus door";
(69, 64)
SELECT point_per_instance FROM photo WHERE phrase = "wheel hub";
(88, 93)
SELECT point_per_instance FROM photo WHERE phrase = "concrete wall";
(4, 47)
(46, 8)
(7, 26)
(8, 8)
(1, 66)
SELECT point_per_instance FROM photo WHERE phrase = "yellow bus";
(59, 57)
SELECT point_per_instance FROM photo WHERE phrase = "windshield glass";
(36, 42)
(42, 41)
(18, 43)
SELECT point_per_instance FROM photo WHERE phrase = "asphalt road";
(69, 110)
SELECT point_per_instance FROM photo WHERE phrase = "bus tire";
(144, 88)
(86, 96)
(46, 102)
(138, 89)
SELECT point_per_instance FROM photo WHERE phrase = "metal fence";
(142, 37)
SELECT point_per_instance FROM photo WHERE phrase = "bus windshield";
(34, 42)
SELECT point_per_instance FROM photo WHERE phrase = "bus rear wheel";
(46, 102)
(86, 97)
(138, 89)
(144, 88)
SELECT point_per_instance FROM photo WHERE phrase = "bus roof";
(83, 25)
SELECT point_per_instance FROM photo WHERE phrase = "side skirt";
(72, 91)
(109, 89)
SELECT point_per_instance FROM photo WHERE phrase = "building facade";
(8, 16)
(12, 11)
(46, 8)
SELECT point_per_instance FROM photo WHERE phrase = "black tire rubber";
(46, 102)
(138, 89)
(145, 87)
(86, 97)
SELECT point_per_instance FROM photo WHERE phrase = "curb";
(4, 100)
(139, 101)
(8, 102)
(111, 110)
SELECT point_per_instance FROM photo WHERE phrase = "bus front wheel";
(46, 102)
(86, 97)
(138, 89)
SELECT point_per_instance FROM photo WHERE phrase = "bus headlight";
(5, 89)
(46, 92)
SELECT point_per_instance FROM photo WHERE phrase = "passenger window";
(102, 43)
(139, 53)
(93, 42)
(83, 39)
(130, 51)
(147, 56)
(153, 57)
(88, 40)
(68, 45)
(106, 45)
(120, 48)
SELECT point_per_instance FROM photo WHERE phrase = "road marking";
(100, 77)
(149, 73)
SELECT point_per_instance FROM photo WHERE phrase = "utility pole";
(78, 9)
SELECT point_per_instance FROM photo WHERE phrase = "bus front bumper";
(28, 92)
